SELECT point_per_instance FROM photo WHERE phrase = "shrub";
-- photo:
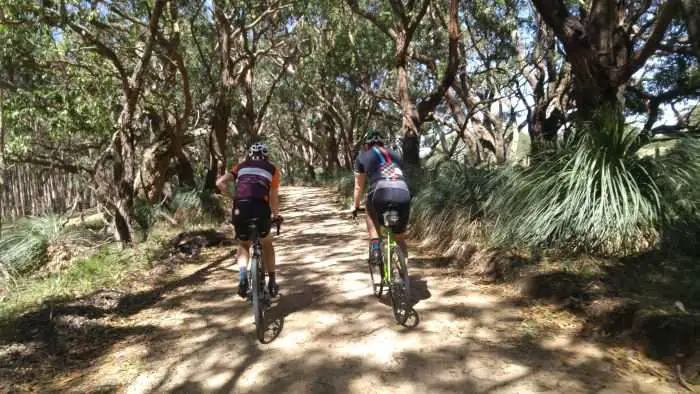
(448, 206)
(677, 174)
(596, 194)
(25, 243)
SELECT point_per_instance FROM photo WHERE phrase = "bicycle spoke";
(258, 291)
(400, 287)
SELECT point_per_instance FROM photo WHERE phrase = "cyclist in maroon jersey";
(257, 196)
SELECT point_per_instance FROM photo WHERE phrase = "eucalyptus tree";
(608, 42)
(402, 23)
(255, 43)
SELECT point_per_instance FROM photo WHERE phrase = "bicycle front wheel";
(257, 287)
(400, 290)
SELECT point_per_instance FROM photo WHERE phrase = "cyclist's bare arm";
(359, 188)
(222, 183)
(275, 201)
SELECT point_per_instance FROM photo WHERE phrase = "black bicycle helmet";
(374, 138)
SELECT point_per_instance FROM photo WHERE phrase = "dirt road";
(333, 336)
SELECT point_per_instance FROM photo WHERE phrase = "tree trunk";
(222, 94)
(602, 53)
(2, 158)
(410, 119)
(154, 171)
(691, 10)
(185, 171)
(331, 150)
(217, 142)
(124, 171)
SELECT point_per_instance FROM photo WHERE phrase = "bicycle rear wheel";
(258, 302)
(375, 276)
(400, 288)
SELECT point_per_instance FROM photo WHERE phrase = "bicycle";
(393, 270)
(258, 293)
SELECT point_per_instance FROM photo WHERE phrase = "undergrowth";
(24, 244)
(108, 267)
(105, 268)
(448, 208)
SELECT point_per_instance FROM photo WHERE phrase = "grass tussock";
(596, 195)
(32, 241)
(109, 266)
(677, 174)
(106, 268)
(185, 207)
(447, 210)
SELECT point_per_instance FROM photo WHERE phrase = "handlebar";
(355, 212)
(278, 222)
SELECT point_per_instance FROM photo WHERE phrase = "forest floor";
(182, 328)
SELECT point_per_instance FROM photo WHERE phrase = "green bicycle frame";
(390, 245)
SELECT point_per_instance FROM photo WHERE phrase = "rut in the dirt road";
(334, 335)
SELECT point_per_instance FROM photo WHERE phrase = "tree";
(401, 29)
(607, 42)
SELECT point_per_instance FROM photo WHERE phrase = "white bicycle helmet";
(258, 149)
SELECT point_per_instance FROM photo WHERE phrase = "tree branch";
(372, 18)
(418, 17)
(427, 106)
(400, 11)
(103, 50)
(663, 19)
(139, 72)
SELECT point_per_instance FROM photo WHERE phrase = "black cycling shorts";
(244, 211)
(384, 199)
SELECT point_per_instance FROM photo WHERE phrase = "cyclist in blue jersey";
(387, 186)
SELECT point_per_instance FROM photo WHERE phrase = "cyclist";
(257, 196)
(387, 186)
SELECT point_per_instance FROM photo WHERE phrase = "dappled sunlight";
(329, 333)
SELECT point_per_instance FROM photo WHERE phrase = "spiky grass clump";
(187, 206)
(597, 195)
(677, 174)
(24, 244)
(448, 206)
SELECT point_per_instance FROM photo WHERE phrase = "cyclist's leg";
(263, 213)
(372, 221)
(268, 254)
(243, 256)
(240, 219)
(270, 266)
(401, 201)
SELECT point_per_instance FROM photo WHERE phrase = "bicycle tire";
(375, 276)
(400, 287)
(257, 293)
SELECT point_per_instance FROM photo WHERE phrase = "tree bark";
(691, 10)
(600, 50)
(222, 99)
(2, 157)
(407, 18)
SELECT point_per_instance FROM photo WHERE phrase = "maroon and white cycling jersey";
(254, 179)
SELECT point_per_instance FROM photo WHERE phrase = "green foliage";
(677, 174)
(448, 207)
(597, 194)
(106, 268)
(24, 244)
